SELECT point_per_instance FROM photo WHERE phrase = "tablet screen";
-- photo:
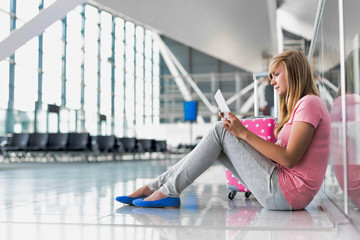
(220, 100)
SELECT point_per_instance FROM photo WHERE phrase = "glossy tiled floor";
(76, 201)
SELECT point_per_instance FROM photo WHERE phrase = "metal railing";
(236, 87)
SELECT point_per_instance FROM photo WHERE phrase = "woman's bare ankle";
(147, 191)
(144, 191)
(157, 195)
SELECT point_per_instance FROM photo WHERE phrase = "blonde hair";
(299, 79)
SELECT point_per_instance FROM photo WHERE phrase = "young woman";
(282, 176)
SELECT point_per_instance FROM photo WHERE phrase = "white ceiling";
(239, 32)
(298, 17)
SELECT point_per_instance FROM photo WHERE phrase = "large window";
(101, 70)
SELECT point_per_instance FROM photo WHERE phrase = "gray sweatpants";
(250, 167)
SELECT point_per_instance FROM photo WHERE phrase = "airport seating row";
(51, 145)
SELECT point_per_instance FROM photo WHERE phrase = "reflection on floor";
(76, 201)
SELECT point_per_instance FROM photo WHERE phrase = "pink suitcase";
(264, 128)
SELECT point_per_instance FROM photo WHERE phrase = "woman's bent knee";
(218, 124)
(218, 127)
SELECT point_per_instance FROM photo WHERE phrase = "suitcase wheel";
(231, 195)
(247, 194)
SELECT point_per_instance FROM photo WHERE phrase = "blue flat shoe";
(126, 199)
(169, 202)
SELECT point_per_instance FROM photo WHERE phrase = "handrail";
(318, 20)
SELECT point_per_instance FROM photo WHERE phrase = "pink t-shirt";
(301, 183)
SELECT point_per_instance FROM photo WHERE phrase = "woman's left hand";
(234, 126)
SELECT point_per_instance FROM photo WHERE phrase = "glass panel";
(130, 31)
(139, 86)
(156, 54)
(327, 73)
(119, 76)
(119, 101)
(41, 119)
(26, 76)
(72, 121)
(52, 63)
(352, 65)
(24, 122)
(129, 102)
(139, 39)
(26, 9)
(148, 78)
(156, 85)
(129, 80)
(91, 14)
(4, 84)
(106, 54)
(5, 5)
(2, 122)
(119, 28)
(148, 91)
(5, 25)
(148, 44)
(106, 20)
(91, 68)
(53, 122)
(73, 60)
(68, 120)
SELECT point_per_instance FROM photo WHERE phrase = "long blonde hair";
(299, 79)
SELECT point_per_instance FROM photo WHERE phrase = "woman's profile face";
(279, 80)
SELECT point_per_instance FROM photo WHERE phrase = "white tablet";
(220, 100)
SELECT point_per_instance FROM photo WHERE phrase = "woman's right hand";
(234, 126)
